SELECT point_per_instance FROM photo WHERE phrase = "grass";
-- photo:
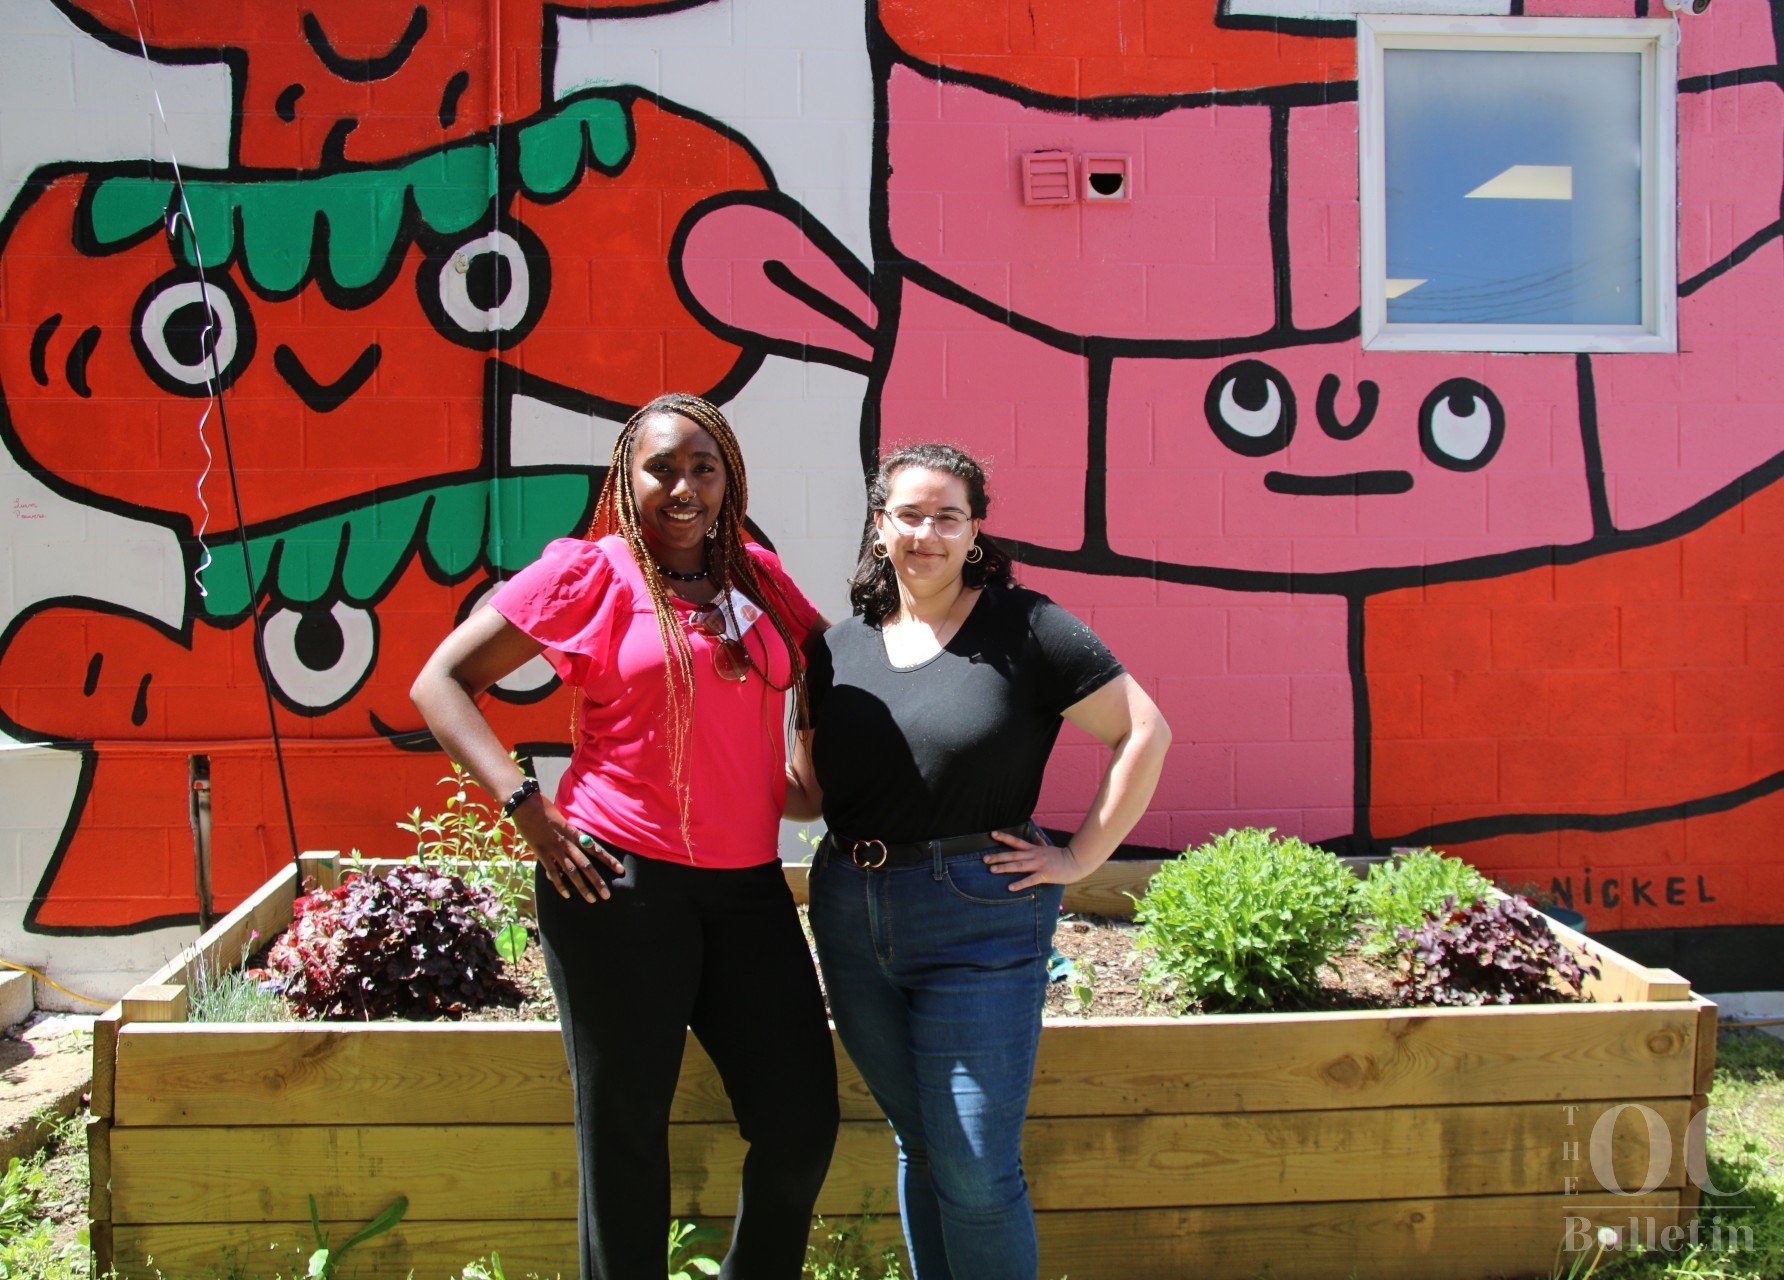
(1740, 1234)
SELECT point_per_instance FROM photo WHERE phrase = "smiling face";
(922, 507)
(679, 484)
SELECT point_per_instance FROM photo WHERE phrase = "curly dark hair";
(873, 591)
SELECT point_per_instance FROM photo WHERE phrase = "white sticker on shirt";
(741, 613)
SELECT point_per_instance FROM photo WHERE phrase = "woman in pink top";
(660, 896)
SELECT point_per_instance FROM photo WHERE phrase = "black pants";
(718, 951)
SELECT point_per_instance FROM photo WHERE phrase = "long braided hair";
(728, 565)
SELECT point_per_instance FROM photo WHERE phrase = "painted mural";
(1523, 607)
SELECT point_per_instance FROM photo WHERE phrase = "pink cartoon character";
(1192, 447)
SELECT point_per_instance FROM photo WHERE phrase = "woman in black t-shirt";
(934, 896)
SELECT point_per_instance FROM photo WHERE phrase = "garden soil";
(1100, 946)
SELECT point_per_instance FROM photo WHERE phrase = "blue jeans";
(936, 975)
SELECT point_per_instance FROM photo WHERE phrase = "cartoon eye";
(488, 290)
(1251, 408)
(181, 322)
(528, 682)
(1461, 424)
(318, 657)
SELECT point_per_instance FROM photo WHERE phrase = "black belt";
(877, 855)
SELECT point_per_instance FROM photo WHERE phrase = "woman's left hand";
(1036, 863)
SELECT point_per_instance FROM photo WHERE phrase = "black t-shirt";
(957, 743)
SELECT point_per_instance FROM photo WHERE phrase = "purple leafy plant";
(414, 943)
(1500, 952)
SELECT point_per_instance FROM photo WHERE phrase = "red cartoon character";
(369, 331)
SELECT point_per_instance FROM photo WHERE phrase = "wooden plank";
(322, 866)
(1432, 1239)
(1707, 1013)
(1104, 892)
(429, 1249)
(352, 1073)
(1690, 1202)
(1620, 979)
(266, 912)
(250, 1174)
(99, 1203)
(390, 1073)
(1422, 1239)
(1664, 984)
(105, 1060)
(101, 1249)
(1163, 1161)
(154, 1002)
(1696, 1154)
(1285, 1062)
(509, 1073)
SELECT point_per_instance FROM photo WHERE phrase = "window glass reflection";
(1513, 187)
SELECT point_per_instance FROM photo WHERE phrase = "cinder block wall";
(447, 247)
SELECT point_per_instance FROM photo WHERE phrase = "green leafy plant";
(688, 1254)
(326, 1258)
(846, 1250)
(1402, 892)
(1489, 953)
(412, 943)
(31, 1248)
(1244, 921)
(1083, 986)
(481, 844)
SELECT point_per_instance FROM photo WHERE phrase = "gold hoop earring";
(975, 553)
(878, 551)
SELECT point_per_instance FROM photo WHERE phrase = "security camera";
(1693, 7)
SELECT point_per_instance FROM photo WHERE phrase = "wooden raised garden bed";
(1421, 1144)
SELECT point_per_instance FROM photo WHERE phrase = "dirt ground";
(1103, 948)
(46, 1063)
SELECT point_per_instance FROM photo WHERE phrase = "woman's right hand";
(567, 855)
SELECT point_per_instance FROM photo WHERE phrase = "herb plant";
(688, 1257)
(414, 943)
(1488, 953)
(848, 1250)
(325, 1259)
(1245, 921)
(1403, 892)
(480, 843)
(236, 995)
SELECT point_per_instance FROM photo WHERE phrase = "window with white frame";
(1517, 184)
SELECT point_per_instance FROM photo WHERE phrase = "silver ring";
(585, 840)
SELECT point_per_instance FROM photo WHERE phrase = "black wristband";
(527, 787)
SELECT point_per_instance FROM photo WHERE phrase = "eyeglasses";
(729, 658)
(910, 520)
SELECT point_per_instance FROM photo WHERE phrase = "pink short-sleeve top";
(588, 604)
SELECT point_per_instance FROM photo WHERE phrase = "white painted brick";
(16, 1001)
(800, 24)
(40, 70)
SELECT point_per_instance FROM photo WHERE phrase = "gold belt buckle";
(859, 845)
